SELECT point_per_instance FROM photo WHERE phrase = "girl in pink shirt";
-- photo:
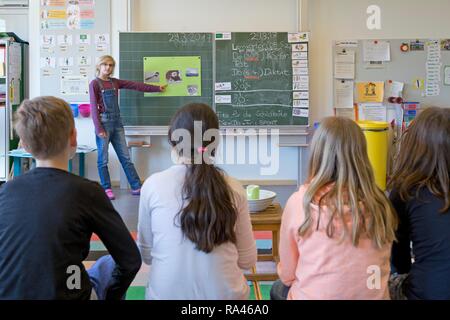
(337, 230)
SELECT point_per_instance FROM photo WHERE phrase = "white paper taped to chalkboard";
(223, 99)
(223, 86)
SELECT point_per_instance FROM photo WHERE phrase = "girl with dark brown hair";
(420, 194)
(194, 224)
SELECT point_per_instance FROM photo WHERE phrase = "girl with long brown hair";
(194, 224)
(337, 230)
(420, 194)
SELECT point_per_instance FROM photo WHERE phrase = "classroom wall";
(211, 16)
(179, 15)
(327, 20)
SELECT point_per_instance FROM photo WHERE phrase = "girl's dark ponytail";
(209, 217)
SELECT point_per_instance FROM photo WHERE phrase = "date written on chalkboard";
(185, 39)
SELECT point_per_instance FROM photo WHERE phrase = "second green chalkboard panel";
(255, 81)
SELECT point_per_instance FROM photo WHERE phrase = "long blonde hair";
(424, 157)
(340, 162)
(103, 60)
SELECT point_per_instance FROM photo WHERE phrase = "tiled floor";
(127, 206)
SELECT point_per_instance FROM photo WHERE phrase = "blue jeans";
(115, 134)
(101, 276)
(279, 291)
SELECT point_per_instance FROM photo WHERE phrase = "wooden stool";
(267, 220)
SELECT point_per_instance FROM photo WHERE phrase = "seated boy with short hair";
(47, 218)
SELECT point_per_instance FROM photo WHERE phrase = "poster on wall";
(72, 35)
(74, 85)
(181, 74)
(370, 91)
(53, 3)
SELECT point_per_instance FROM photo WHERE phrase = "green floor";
(138, 293)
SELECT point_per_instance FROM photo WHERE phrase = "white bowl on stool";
(266, 198)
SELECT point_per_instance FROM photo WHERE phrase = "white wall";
(214, 15)
(15, 20)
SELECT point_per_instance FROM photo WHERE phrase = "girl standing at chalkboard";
(104, 93)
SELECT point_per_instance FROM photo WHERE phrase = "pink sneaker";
(136, 192)
(110, 194)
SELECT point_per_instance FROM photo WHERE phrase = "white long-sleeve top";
(178, 270)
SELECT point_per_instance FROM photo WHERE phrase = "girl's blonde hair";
(340, 162)
(103, 60)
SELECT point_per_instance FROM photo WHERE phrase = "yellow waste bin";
(377, 147)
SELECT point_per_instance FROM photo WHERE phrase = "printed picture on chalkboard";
(300, 47)
(151, 76)
(298, 37)
(192, 90)
(173, 76)
(300, 55)
(296, 63)
(192, 72)
(182, 74)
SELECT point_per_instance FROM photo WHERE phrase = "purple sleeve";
(93, 95)
(138, 86)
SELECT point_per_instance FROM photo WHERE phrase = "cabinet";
(13, 89)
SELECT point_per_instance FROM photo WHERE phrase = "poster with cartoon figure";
(370, 91)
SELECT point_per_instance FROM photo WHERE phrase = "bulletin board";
(73, 34)
(425, 73)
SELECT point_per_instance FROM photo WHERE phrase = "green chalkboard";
(137, 109)
(255, 80)
(251, 79)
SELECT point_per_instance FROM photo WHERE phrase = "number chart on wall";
(262, 79)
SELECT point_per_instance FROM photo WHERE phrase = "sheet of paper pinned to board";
(376, 50)
(344, 64)
(347, 43)
(346, 113)
(344, 93)
(433, 68)
(394, 88)
(344, 70)
(372, 112)
(447, 75)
